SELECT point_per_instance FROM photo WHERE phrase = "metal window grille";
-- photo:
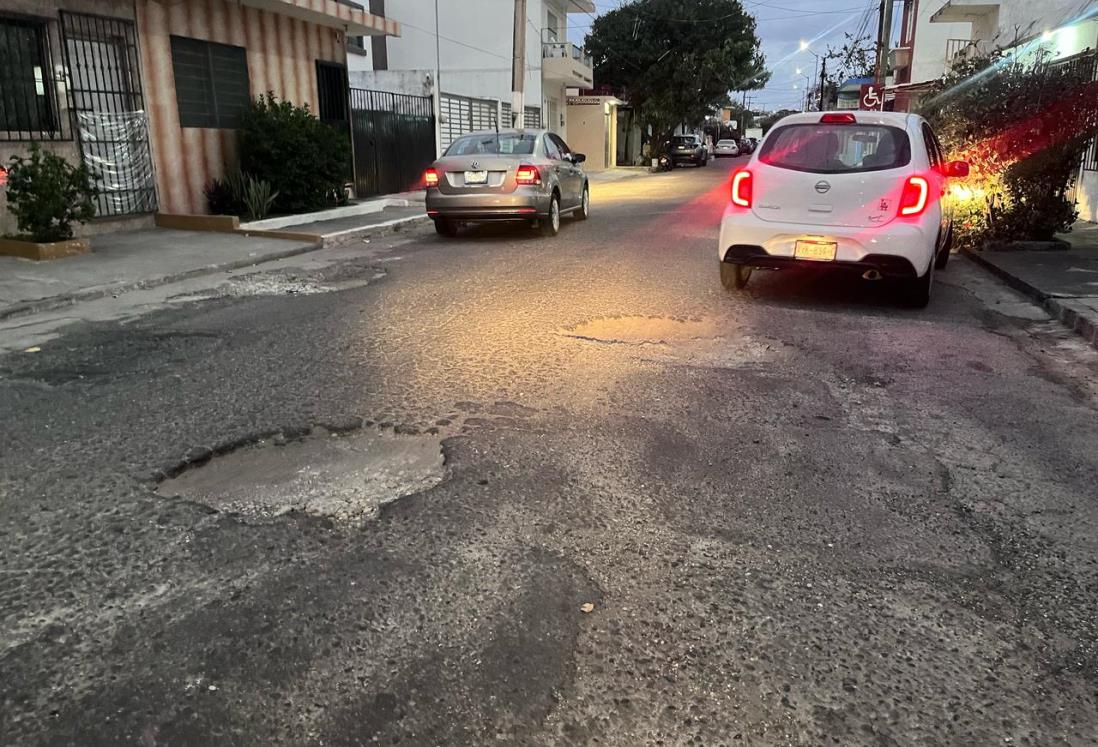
(331, 79)
(532, 118)
(106, 99)
(211, 82)
(28, 93)
(462, 115)
(1090, 158)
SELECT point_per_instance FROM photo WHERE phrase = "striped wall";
(282, 53)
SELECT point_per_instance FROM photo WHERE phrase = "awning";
(351, 19)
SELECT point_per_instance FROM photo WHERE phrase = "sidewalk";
(1065, 283)
(124, 262)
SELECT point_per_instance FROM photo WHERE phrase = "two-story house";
(149, 92)
(463, 55)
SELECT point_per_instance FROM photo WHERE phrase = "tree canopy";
(676, 60)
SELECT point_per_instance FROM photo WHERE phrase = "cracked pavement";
(801, 515)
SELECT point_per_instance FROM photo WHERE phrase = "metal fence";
(394, 140)
(462, 115)
(106, 99)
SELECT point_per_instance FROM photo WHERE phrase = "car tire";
(916, 291)
(583, 212)
(446, 227)
(550, 224)
(734, 277)
(942, 259)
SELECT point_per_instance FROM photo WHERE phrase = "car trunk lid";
(463, 174)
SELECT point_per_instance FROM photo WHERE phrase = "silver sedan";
(510, 175)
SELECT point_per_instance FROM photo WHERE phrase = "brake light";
(528, 175)
(835, 118)
(430, 177)
(741, 189)
(914, 199)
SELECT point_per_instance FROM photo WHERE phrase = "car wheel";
(584, 209)
(550, 224)
(734, 277)
(942, 259)
(446, 227)
(916, 292)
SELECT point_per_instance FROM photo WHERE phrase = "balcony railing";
(959, 50)
(564, 50)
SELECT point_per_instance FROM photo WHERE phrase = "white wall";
(475, 38)
(1087, 195)
(1023, 19)
(928, 61)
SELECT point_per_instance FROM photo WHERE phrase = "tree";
(676, 60)
(769, 120)
(856, 58)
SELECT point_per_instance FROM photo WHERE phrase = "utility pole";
(884, 42)
(823, 80)
(518, 65)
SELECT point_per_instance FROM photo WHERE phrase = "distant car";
(510, 175)
(688, 149)
(726, 148)
(853, 190)
(746, 146)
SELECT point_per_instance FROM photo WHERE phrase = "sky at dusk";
(782, 24)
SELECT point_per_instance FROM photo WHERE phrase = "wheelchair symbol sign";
(871, 98)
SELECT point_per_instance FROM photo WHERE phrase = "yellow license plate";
(820, 251)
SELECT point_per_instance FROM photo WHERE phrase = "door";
(571, 175)
(112, 124)
(331, 91)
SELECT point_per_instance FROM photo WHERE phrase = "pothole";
(278, 284)
(347, 477)
(644, 330)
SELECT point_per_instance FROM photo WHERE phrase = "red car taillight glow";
(914, 199)
(430, 177)
(741, 189)
(527, 175)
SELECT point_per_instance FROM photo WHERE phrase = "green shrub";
(46, 194)
(1023, 127)
(305, 161)
(257, 197)
(226, 196)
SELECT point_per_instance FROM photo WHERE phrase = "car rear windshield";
(726, 142)
(836, 149)
(505, 143)
(687, 142)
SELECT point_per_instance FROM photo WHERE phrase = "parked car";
(726, 148)
(688, 149)
(510, 175)
(746, 146)
(857, 191)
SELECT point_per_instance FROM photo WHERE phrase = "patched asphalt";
(664, 514)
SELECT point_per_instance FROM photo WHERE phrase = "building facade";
(148, 92)
(470, 56)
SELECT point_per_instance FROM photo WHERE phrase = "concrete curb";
(1081, 320)
(68, 299)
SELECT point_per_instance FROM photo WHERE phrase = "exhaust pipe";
(871, 275)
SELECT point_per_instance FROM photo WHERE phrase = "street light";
(807, 86)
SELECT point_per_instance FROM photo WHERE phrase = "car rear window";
(505, 143)
(836, 149)
(684, 141)
(725, 142)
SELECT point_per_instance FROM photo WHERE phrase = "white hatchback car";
(854, 190)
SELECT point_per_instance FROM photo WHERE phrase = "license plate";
(820, 251)
(476, 177)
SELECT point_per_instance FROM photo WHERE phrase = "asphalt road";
(508, 490)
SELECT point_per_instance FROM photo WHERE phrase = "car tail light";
(430, 177)
(741, 189)
(528, 175)
(914, 199)
(843, 118)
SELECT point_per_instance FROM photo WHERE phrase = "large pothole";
(347, 477)
(644, 330)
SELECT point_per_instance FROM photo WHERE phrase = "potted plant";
(47, 194)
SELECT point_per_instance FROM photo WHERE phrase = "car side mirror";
(956, 169)
(578, 158)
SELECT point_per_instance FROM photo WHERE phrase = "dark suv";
(688, 149)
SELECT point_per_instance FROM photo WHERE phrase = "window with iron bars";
(28, 96)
